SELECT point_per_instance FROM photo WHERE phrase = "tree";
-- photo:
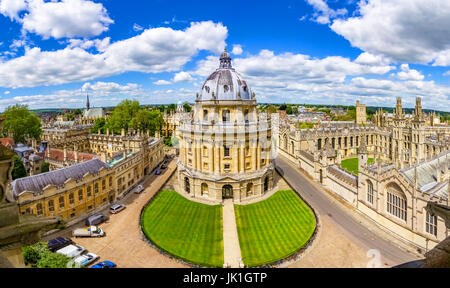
(122, 115)
(77, 112)
(99, 123)
(22, 123)
(19, 169)
(45, 167)
(70, 116)
(52, 260)
(172, 107)
(187, 107)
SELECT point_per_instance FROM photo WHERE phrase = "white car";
(71, 251)
(139, 189)
(86, 259)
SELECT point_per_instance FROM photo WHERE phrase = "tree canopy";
(22, 123)
(19, 169)
(128, 114)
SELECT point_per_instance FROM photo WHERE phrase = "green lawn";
(351, 164)
(189, 230)
(273, 229)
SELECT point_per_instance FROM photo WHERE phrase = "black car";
(58, 243)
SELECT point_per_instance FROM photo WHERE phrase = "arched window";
(187, 185)
(249, 189)
(431, 224)
(369, 192)
(396, 202)
(226, 116)
(204, 189)
(266, 184)
(205, 115)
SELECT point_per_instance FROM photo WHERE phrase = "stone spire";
(88, 105)
(399, 108)
(418, 114)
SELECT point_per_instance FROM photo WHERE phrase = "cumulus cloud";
(237, 49)
(323, 13)
(162, 82)
(153, 51)
(182, 77)
(409, 74)
(298, 78)
(11, 8)
(414, 31)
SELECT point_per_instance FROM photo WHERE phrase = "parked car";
(71, 251)
(92, 231)
(105, 264)
(158, 172)
(163, 166)
(139, 189)
(96, 220)
(58, 243)
(86, 259)
(116, 208)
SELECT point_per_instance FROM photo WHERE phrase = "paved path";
(124, 243)
(357, 236)
(231, 248)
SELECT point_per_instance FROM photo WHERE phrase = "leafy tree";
(22, 123)
(168, 141)
(19, 169)
(172, 107)
(45, 167)
(289, 110)
(99, 123)
(52, 260)
(187, 107)
(77, 112)
(32, 254)
(162, 108)
(147, 120)
(122, 115)
(271, 109)
(70, 116)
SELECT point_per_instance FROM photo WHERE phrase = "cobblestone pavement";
(124, 243)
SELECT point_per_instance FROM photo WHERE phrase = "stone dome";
(225, 83)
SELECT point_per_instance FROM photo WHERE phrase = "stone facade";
(225, 151)
(411, 169)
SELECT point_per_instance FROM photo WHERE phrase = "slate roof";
(58, 177)
(426, 174)
(94, 113)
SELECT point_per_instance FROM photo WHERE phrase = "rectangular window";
(96, 188)
(89, 191)
(227, 166)
(51, 206)
(71, 198)
(431, 224)
(61, 202)
(103, 185)
(80, 195)
(226, 151)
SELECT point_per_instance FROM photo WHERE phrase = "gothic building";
(411, 167)
(225, 148)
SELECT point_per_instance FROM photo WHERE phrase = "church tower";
(399, 124)
(361, 115)
(88, 106)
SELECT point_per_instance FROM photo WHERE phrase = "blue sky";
(305, 51)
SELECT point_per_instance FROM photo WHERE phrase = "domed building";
(226, 146)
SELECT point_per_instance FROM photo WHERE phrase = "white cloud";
(137, 27)
(298, 78)
(409, 74)
(153, 51)
(446, 73)
(7, 92)
(162, 82)
(414, 31)
(11, 8)
(99, 44)
(237, 49)
(323, 13)
(370, 59)
(59, 19)
(182, 77)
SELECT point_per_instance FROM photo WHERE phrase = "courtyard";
(351, 164)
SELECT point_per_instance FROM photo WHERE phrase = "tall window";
(431, 224)
(39, 209)
(396, 204)
(246, 115)
(204, 189)
(205, 115)
(89, 191)
(226, 116)
(266, 184)
(51, 206)
(187, 185)
(71, 198)
(96, 187)
(226, 151)
(369, 192)
(61, 202)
